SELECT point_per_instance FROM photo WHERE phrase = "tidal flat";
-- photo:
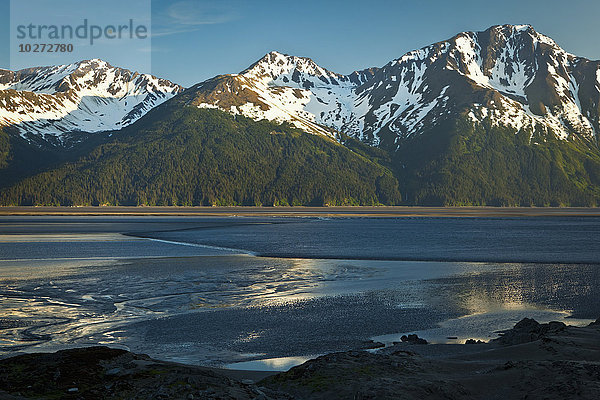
(271, 292)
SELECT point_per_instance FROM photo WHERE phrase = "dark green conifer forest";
(185, 156)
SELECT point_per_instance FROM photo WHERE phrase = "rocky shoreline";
(531, 360)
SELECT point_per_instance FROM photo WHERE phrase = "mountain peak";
(508, 31)
(86, 96)
(512, 73)
(94, 63)
(277, 62)
(277, 68)
(276, 54)
(514, 28)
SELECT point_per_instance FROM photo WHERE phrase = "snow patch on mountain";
(516, 66)
(297, 90)
(467, 54)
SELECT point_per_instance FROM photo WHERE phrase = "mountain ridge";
(500, 117)
(520, 77)
(88, 96)
(512, 73)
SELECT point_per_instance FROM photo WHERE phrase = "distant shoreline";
(383, 211)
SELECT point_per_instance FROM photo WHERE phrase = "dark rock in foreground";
(105, 373)
(531, 361)
(413, 339)
(529, 330)
(474, 341)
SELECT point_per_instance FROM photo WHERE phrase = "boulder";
(474, 341)
(528, 330)
(413, 339)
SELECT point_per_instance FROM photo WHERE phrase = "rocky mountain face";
(508, 75)
(281, 88)
(52, 103)
(511, 76)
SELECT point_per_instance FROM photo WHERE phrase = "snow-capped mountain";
(287, 88)
(503, 117)
(507, 75)
(89, 96)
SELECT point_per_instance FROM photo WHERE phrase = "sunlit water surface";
(268, 293)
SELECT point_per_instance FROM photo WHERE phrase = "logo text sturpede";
(83, 31)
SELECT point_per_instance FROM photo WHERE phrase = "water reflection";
(494, 297)
(561, 287)
(76, 301)
(219, 309)
(270, 364)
